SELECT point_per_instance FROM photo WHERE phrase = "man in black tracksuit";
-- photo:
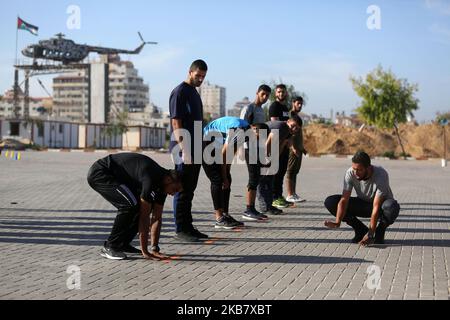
(137, 186)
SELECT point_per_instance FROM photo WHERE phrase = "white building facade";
(214, 100)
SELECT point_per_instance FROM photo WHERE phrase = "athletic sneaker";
(295, 199)
(130, 249)
(233, 220)
(254, 215)
(112, 254)
(280, 203)
(262, 216)
(224, 223)
(198, 234)
(186, 237)
(251, 216)
(274, 211)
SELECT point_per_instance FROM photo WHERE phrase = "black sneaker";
(130, 249)
(274, 211)
(233, 220)
(198, 234)
(186, 237)
(112, 254)
(251, 216)
(263, 217)
(224, 223)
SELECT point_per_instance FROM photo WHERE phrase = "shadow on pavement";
(284, 259)
(56, 210)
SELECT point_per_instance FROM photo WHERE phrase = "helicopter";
(67, 51)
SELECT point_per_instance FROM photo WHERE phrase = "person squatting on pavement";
(137, 186)
(374, 200)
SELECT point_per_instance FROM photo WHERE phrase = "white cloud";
(442, 6)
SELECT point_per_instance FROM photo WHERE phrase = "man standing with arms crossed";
(186, 109)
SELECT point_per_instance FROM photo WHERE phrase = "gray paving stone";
(59, 221)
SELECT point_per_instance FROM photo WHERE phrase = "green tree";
(386, 100)
(118, 126)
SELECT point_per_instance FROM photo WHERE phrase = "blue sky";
(314, 45)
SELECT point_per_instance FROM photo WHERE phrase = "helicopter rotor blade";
(146, 42)
(140, 36)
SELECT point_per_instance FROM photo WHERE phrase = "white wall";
(65, 135)
(98, 84)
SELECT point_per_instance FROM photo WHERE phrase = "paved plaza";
(52, 227)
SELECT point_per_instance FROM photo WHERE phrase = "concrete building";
(347, 121)
(238, 106)
(127, 89)
(214, 100)
(151, 116)
(110, 86)
(38, 106)
(71, 96)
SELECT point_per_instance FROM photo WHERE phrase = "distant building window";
(61, 128)
(14, 128)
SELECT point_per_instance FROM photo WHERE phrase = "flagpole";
(17, 39)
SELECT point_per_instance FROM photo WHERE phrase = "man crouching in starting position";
(137, 186)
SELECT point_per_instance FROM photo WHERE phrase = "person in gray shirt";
(374, 199)
(254, 112)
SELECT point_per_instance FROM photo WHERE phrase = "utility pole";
(26, 101)
(444, 123)
(16, 106)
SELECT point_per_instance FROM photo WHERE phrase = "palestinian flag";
(22, 25)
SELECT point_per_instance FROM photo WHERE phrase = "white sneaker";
(295, 199)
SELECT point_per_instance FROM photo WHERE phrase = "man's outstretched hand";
(332, 225)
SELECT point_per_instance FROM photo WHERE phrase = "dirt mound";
(424, 141)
